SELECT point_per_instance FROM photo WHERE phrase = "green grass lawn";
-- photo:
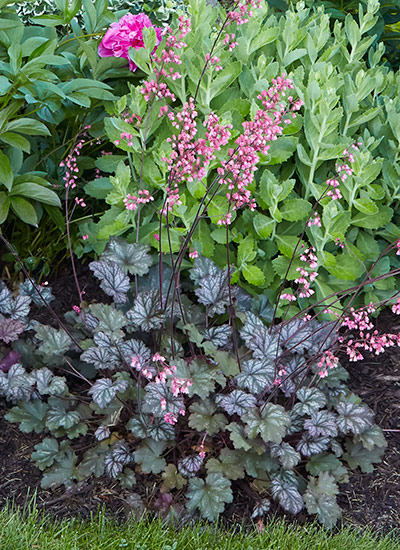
(33, 531)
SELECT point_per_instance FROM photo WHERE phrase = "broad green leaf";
(203, 418)
(36, 192)
(209, 496)
(148, 456)
(29, 414)
(4, 206)
(24, 210)
(263, 225)
(281, 149)
(319, 499)
(6, 175)
(294, 210)
(270, 423)
(253, 275)
(373, 221)
(46, 453)
(358, 456)
(172, 479)
(229, 463)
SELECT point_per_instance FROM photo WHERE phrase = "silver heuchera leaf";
(256, 375)
(131, 258)
(100, 358)
(102, 432)
(104, 390)
(311, 400)
(146, 313)
(116, 459)
(257, 338)
(284, 489)
(17, 384)
(10, 329)
(261, 508)
(202, 267)
(286, 455)
(236, 402)
(114, 282)
(28, 289)
(220, 336)
(190, 465)
(322, 423)
(309, 445)
(156, 394)
(353, 418)
(101, 339)
(213, 292)
(151, 427)
(48, 384)
(295, 335)
(134, 348)
(17, 308)
(58, 417)
(5, 297)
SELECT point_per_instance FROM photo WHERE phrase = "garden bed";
(368, 500)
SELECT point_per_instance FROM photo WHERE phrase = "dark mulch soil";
(371, 500)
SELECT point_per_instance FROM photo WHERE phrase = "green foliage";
(184, 412)
(350, 97)
(52, 85)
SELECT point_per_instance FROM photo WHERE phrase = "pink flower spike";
(194, 254)
(77, 309)
(85, 237)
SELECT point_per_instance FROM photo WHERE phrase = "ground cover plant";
(182, 377)
(21, 531)
(174, 392)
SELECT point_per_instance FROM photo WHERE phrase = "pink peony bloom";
(126, 33)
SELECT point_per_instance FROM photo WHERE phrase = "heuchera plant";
(166, 387)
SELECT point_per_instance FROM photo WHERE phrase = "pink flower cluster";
(242, 11)
(396, 307)
(70, 163)
(125, 136)
(179, 386)
(327, 361)
(238, 172)
(306, 277)
(190, 157)
(169, 55)
(343, 171)
(364, 337)
(127, 33)
(131, 201)
(162, 374)
(316, 220)
(229, 41)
